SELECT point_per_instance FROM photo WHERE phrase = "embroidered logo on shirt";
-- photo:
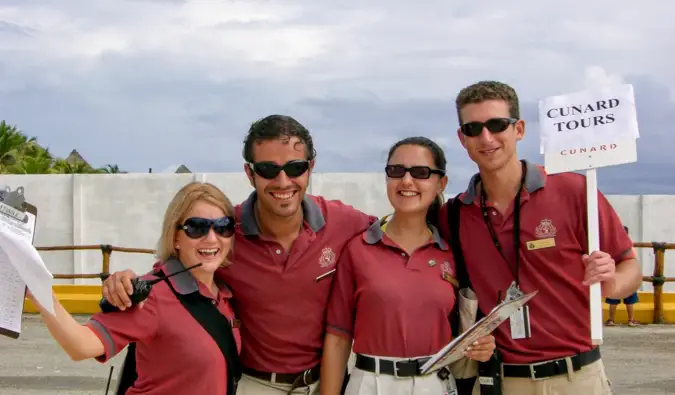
(545, 229)
(327, 257)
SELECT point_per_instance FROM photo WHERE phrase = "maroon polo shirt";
(174, 354)
(280, 303)
(393, 304)
(552, 215)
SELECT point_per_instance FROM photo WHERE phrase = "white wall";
(126, 210)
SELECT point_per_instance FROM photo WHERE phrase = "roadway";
(639, 361)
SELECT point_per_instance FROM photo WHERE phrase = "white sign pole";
(585, 131)
(594, 245)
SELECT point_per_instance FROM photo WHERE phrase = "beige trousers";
(363, 382)
(254, 386)
(589, 380)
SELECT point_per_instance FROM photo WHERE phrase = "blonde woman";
(175, 351)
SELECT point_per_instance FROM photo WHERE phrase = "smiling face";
(409, 195)
(490, 150)
(195, 244)
(280, 193)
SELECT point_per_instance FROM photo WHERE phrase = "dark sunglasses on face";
(196, 227)
(418, 172)
(493, 125)
(270, 170)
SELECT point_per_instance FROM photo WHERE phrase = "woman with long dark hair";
(395, 288)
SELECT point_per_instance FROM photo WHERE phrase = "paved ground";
(639, 361)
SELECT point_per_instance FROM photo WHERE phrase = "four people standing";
(292, 248)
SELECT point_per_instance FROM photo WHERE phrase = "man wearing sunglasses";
(522, 230)
(285, 249)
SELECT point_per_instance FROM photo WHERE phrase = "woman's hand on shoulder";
(482, 349)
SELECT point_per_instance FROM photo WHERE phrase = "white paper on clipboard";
(20, 264)
(454, 350)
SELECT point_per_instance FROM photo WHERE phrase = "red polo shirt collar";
(374, 234)
(313, 216)
(185, 283)
(535, 179)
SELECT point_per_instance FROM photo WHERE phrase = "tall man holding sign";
(523, 230)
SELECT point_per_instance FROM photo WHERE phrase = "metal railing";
(106, 251)
(657, 279)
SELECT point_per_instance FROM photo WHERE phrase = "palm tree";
(111, 169)
(20, 154)
(40, 162)
(13, 144)
(62, 166)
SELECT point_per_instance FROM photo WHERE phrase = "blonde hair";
(178, 208)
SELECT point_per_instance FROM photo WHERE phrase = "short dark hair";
(439, 162)
(488, 90)
(274, 127)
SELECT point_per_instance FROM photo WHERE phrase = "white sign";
(587, 119)
(585, 131)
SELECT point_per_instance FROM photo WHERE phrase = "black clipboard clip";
(13, 203)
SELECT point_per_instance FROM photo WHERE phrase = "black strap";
(128, 374)
(516, 226)
(217, 325)
(220, 329)
(464, 386)
(454, 207)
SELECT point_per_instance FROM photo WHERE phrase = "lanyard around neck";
(516, 226)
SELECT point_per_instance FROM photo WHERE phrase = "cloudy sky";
(149, 84)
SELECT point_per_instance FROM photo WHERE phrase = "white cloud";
(597, 76)
(149, 76)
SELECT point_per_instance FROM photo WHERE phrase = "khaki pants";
(253, 386)
(589, 380)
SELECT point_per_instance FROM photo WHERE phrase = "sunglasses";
(418, 172)
(270, 170)
(494, 125)
(196, 227)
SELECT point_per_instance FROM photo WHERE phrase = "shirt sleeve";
(353, 220)
(341, 303)
(117, 329)
(613, 237)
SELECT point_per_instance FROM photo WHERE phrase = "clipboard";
(14, 208)
(454, 350)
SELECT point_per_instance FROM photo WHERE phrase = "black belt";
(405, 368)
(543, 370)
(308, 377)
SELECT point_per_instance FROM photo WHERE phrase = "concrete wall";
(126, 210)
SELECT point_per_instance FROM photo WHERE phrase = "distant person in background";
(630, 306)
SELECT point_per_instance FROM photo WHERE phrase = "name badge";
(539, 244)
(520, 324)
(520, 320)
